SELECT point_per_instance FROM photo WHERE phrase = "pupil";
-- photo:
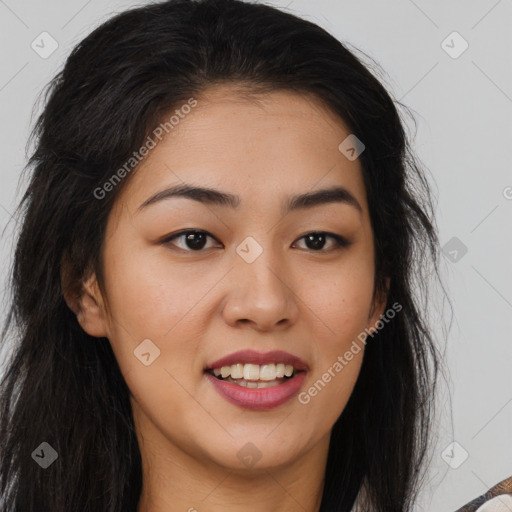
(316, 245)
(196, 240)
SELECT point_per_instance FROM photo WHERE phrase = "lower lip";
(258, 399)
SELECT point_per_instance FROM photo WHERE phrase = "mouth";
(257, 381)
(254, 375)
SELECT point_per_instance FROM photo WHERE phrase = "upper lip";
(254, 357)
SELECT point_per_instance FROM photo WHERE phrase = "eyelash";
(342, 243)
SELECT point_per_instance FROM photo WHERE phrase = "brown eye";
(316, 241)
(196, 240)
(193, 240)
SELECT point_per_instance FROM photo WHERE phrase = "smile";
(248, 375)
(254, 380)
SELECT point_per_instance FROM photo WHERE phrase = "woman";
(213, 282)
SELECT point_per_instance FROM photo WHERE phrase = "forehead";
(254, 145)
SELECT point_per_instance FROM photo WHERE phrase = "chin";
(255, 454)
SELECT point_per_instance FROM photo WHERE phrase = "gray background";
(463, 108)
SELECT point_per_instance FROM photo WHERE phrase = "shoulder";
(497, 499)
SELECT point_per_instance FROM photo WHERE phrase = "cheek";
(342, 304)
(155, 310)
(341, 298)
(151, 302)
(148, 295)
(343, 308)
(328, 390)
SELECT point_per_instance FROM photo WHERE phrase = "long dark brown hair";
(65, 388)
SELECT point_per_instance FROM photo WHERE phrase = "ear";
(86, 301)
(378, 307)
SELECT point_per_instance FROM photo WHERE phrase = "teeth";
(250, 384)
(237, 371)
(268, 372)
(251, 371)
(254, 372)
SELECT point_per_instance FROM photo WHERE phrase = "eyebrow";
(336, 194)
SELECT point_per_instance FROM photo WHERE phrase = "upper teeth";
(255, 371)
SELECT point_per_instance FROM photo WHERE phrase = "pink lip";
(253, 357)
(258, 399)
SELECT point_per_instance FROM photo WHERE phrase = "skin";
(198, 306)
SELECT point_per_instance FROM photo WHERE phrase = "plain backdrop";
(450, 62)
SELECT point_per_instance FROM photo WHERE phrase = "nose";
(260, 295)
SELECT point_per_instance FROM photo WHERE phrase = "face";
(191, 281)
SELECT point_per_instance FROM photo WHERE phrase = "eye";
(316, 241)
(195, 240)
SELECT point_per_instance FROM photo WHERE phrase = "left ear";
(378, 307)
